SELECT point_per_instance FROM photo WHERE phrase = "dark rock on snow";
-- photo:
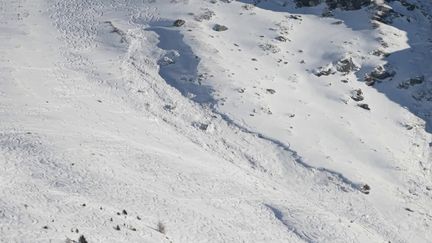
(357, 95)
(82, 239)
(332, 4)
(364, 106)
(179, 22)
(220, 28)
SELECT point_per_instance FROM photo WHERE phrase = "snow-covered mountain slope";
(218, 120)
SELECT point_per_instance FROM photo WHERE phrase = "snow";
(223, 136)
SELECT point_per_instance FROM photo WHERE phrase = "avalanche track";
(114, 121)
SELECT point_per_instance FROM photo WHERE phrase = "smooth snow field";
(215, 121)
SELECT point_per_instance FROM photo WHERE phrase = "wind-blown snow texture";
(295, 124)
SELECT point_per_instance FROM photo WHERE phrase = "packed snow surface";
(215, 121)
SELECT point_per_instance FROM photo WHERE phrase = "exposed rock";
(357, 95)
(369, 81)
(411, 82)
(296, 17)
(416, 80)
(337, 22)
(117, 31)
(380, 73)
(325, 71)
(271, 91)
(308, 3)
(380, 53)
(270, 48)
(364, 106)
(281, 38)
(248, 6)
(82, 239)
(201, 126)
(346, 65)
(219, 28)
(365, 189)
(408, 6)
(348, 4)
(179, 23)
(332, 4)
(385, 14)
(408, 127)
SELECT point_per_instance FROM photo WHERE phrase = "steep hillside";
(215, 121)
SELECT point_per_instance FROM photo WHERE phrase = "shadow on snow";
(179, 66)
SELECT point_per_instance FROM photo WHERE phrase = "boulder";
(364, 106)
(219, 28)
(179, 23)
(357, 95)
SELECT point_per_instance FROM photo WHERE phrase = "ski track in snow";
(93, 124)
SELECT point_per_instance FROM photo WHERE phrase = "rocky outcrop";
(342, 4)
(347, 4)
(346, 65)
(308, 3)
